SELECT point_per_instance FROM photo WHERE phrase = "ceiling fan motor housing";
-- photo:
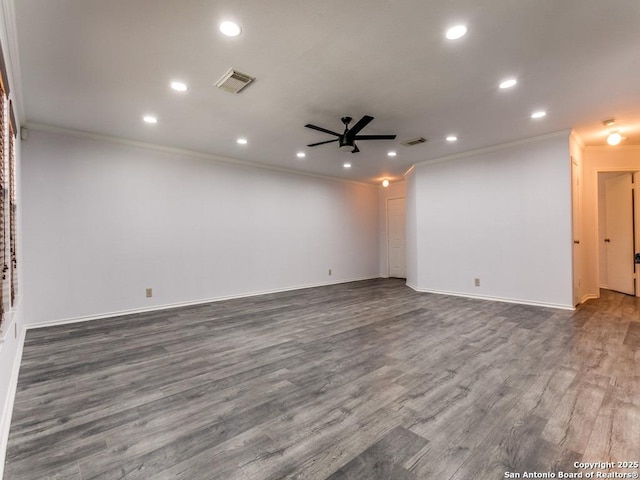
(345, 142)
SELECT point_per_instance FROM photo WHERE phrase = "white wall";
(104, 221)
(394, 190)
(502, 215)
(412, 229)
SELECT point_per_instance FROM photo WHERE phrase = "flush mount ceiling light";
(301, 154)
(346, 165)
(614, 138)
(385, 183)
(241, 141)
(538, 114)
(456, 32)
(452, 138)
(391, 154)
(230, 29)
(179, 86)
(508, 83)
(150, 119)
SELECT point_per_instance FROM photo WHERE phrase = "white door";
(396, 235)
(576, 211)
(619, 234)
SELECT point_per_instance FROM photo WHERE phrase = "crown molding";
(40, 127)
(494, 148)
(612, 148)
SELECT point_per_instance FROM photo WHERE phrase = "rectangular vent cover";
(414, 141)
(234, 81)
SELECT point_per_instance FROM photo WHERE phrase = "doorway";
(396, 235)
(617, 231)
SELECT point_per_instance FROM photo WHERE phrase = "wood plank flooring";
(365, 380)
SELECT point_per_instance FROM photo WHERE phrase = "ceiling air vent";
(234, 81)
(414, 141)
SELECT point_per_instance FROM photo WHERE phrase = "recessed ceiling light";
(230, 29)
(385, 183)
(301, 154)
(456, 32)
(508, 83)
(150, 119)
(179, 86)
(452, 138)
(538, 114)
(242, 141)
(346, 165)
(391, 154)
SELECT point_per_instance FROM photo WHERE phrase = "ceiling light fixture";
(508, 83)
(391, 154)
(538, 114)
(179, 86)
(456, 32)
(301, 154)
(385, 183)
(452, 138)
(614, 138)
(230, 29)
(150, 119)
(346, 165)
(242, 141)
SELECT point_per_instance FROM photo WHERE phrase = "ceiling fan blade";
(375, 137)
(322, 143)
(355, 149)
(314, 127)
(363, 122)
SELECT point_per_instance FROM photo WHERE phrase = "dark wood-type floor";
(366, 380)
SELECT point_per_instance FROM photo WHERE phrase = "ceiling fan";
(347, 140)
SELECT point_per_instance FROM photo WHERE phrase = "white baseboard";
(168, 306)
(494, 299)
(589, 296)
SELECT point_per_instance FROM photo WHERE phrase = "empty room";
(369, 240)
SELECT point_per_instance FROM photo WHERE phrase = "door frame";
(401, 197)
(636, 220)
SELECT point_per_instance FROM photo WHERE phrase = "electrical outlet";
(329, 272)
(476, 282)
(149, 292)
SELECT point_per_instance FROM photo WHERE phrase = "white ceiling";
(100, 65)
